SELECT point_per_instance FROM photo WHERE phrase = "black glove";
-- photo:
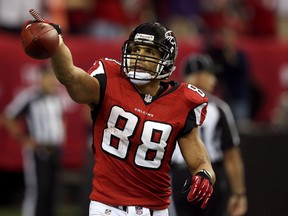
(200, 188)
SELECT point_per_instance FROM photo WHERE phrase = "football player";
(137, 121)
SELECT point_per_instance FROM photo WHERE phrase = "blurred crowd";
(218, 22)
(114, 18)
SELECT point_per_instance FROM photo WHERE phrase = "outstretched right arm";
(81, 87)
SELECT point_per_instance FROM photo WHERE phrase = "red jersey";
(135, 136)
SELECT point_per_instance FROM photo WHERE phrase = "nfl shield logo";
(139, 210)
(148, 98)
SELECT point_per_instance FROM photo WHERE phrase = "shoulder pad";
(112, 60)
(100, 65)
(195, 94)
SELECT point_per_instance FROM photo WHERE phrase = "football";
(40, 40)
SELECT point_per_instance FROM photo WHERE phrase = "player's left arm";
(203, 177)
(195, 153)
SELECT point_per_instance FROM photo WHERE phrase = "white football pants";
(101, 209)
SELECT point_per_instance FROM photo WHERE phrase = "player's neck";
(151, 88)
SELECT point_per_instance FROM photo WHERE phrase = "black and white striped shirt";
(219, 131)
(43, 115)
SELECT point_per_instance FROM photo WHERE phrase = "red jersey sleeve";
(197, 101)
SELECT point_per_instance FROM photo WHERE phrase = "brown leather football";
(40, 40)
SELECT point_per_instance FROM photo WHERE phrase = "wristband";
(205, 174)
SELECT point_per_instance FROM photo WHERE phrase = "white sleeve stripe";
(99, 70)
(198, 111)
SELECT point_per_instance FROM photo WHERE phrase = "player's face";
(146, 58)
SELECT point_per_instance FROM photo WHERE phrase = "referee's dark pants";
(217, 202)
(41, 168)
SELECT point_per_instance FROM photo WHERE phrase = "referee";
(221, 138)
(42, 113)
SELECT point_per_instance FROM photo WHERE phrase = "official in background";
(221, 139)
(41, 110)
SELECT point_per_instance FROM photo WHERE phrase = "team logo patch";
(107, 212)
(139, 210)
(148, 98)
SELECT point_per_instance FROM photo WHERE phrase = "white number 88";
(154, 138)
